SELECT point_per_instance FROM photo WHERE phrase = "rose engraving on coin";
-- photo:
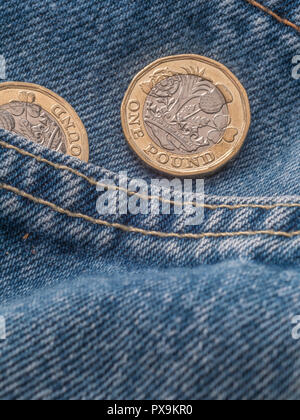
(186, 115)
(43, 117)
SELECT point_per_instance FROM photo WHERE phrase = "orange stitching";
(274, 15)
(131, 193)
(131, 229)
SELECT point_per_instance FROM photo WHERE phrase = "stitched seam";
(131, 193)
(274, 15)
(131, 229)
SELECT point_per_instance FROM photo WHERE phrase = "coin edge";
(235, 151)
(62, 101)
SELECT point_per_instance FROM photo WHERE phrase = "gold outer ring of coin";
(50, 113)
(148, 141)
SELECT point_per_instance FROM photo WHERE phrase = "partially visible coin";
(43, 117)
(186, 115)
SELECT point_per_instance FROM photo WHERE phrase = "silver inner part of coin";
(185, 114)
(34, 123)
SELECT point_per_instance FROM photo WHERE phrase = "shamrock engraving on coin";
(43, 117)
(186, 115)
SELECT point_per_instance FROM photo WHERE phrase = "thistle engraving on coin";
(43, 117)
(26, 118)
(186, 115)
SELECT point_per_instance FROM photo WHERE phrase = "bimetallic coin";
(43, 117)
(186, 115)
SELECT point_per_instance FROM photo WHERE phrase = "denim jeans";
(143, 306)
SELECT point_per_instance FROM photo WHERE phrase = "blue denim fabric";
(96, 312)
(287, 9)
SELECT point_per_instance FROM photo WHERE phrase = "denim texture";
(96, 312)
(287, 9)
(213, 332)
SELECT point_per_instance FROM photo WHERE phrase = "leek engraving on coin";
(186, 113)
(28, 119)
